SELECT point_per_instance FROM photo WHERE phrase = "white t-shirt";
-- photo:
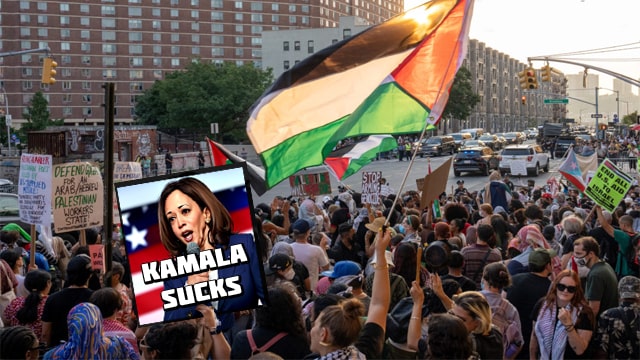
(313, 257)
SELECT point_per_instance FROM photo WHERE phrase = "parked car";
(532, 133)
(522, 136)
(473, 143)
(9, 209)
(437, 145)
(491, 141)
(512, 138)
(563, 143)
(532, 155)
(6, 185)
(475, 132)
(460, 138)
(475, 159)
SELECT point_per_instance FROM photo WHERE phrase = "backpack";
(631, 254)
(255, 349)
(511, 333)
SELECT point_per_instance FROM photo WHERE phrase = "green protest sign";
(609, 186)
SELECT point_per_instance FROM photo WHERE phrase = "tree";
(189, 101)
(37, 116)
(462, 99)
(630, 119)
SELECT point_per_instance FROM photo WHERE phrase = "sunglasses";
(570, 289)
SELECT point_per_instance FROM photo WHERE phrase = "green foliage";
(203, 94)
(462, 99)
(37, 116)
(630, 119)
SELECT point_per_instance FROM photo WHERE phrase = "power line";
(600, 50)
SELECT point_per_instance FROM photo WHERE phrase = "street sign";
(8, 119)
(596, 116)
(556, 101)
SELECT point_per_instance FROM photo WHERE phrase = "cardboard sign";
(97, 257)
(78, 197)
(435, 183)
(371, 187)
(305, 184)
(34, 189)
(518, 168)
(609, 186)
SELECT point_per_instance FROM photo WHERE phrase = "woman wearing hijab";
(86, 339)
(528, 239)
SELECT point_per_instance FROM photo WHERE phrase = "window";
(217, 28)
(256, 6)
(195, 14)
(86, 111)
(66, 85)
(157, 61)
(217, 39)
(86, 60)
(66, 111)
(66, 59)
(86, 85)
(195, 50)
(256, 17)
(195, 38)
(27, 72)
(285, 46)
(174, 13)
(135, 24)
(155, 24)
(65, 72)
(135, 61)
(175, 25)
(255, 53)
(42, 6)
(135, 11)
(310, 46)
(216, 4)
(286, 65)
(109, 73)
(256, 29)
(135, 36)
(175, 50)
(175, 62)
(25, 18)
(85, 47)
(157, 49)
(135, 49)
(107, 35)
(24, 5)
(239, 28)
(238, 4)
(304, 20)
(195, 3)
(346, 33)
(217, 16)
(109, 61)
(292, 19)
(43, 19)
(157, 37)
(84, 21)
(296, 45)
(239, 52)
(239, 40)
(84, 8)
(217, 52)
(135, 86)
(238, 17)
(85, 73)
(256, 41)
(25, 32)
(157, 74)
(65, 33)
(275, 7)
(292, 8)
(108, 23)
(275, 18)
(66, 98)
(64, 20)
(155, 12)
(86, 98)
(25, 45)
(108, 48)
(305, 8)
(108, 10)
(175, 38)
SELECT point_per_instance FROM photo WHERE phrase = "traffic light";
(546, 73)
(49, 71)
(524, 100)
(531, 80)
(522, 78)
(603, 127)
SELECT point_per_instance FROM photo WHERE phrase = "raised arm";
(415, 323)
(380, 293)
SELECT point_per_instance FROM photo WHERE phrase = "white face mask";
(289, 274)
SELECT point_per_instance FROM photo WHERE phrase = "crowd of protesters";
(506, 272)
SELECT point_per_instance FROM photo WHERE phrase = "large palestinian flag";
(393, 78)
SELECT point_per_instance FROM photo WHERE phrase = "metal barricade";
(626, 164)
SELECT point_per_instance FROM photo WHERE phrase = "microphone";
(193, 248)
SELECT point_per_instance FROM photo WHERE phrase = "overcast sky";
(527, 28)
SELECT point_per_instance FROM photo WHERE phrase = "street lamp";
(7, 118)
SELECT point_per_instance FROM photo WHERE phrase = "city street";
(394, 171)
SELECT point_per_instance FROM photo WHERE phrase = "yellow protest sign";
(609, 186)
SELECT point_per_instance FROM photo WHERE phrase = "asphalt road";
(395, 171)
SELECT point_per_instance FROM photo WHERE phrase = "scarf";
(552, 336)
(350, 352)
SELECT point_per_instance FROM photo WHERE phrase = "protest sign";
(371, 187)
(123, 171)
(609, 186)
(159, 271)
(78, 197)
(34, 189)
(435, 183)
(96, 252)
(310, 183)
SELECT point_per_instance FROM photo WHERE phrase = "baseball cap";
(279, 262)
(547, 196)
(541, 257)
(301, 226)
(343, 268)
(629, 287)
(79, 264)
(344, 227)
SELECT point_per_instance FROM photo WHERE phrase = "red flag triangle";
(338, 164)
(218, 158)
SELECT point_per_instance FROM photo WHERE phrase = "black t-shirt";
(608, 246)
(302, 273)
(289, 347)
(168, 160)
(465, 283)
(57, 307)
(489, 346)
(584, 322)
